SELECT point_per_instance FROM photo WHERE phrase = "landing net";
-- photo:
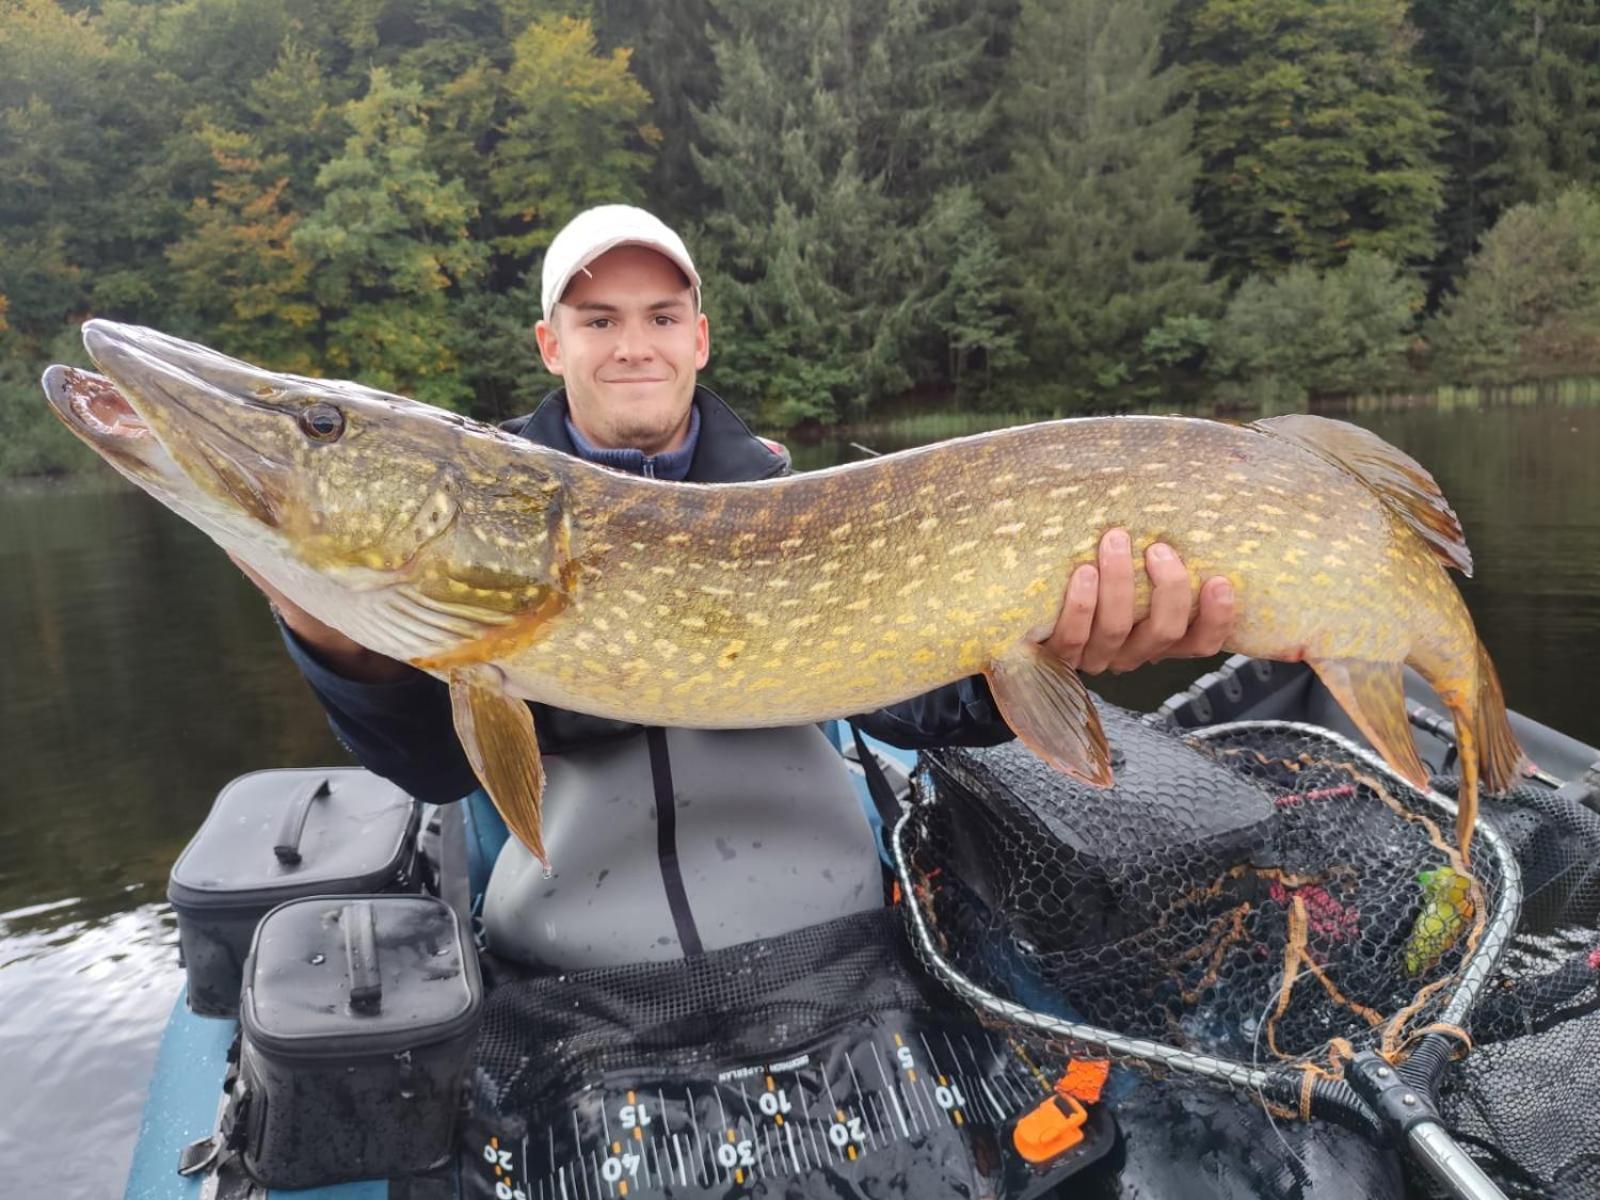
(1254, 903)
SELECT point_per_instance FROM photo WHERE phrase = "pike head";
(411, 529)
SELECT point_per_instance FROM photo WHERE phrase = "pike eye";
(322, 422)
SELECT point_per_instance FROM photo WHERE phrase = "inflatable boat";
(345, 1034)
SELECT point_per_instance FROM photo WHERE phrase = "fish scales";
(514, 572)
(850, 588)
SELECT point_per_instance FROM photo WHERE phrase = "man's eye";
(663, 319)
(600, 323)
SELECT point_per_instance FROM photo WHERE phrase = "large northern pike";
(516, 572)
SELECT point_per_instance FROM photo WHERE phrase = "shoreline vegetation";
(951, 213)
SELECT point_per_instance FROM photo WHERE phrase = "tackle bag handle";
(361, 956)
(287, 846)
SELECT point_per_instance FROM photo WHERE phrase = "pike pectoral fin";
(1045, 702)
(1373, 694)
(496, 731)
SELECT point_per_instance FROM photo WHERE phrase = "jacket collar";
(725, 452)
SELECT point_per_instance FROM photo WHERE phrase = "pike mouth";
(93, 405)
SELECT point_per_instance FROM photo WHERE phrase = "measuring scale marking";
(649, 1152)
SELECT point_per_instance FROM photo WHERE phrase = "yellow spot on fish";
(857, 605)
(759, 620)
(1008, 557)
(965, 576)
(1200, 535)
(663, 570)
(877, 543)
(1205, 514)
(790, 543)
(1057, 493)
(928, 523)
(692, 622)
(1270, 510)
(716, 591)
(1332, 560)
(1160, 508)
(822, 586)
(841, 530)
(1293, 555)
(916, 560)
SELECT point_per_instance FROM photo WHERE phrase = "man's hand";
(334, 649)
(1096, 631)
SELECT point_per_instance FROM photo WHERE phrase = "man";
(671, 842)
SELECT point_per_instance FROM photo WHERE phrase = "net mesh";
(1265, 899)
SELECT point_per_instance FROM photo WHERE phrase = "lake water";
(140, 673)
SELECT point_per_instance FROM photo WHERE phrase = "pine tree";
(1550, 81)
(389, 239)
(1095, 197)
(573, 134)
(1317, 133)
(831, 153)
(1461, 46)
(670, 55)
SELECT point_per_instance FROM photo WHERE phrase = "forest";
(1020, 206)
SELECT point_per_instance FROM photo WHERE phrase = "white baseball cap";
(594, 231)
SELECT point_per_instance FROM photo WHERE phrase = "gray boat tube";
(764, 834)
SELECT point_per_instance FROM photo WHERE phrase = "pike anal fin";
(1373, 694)
(1047, 706)
(496, 731)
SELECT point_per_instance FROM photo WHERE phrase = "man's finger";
(1113, 610)
(1212, 625)
(1076, 619)
(1171, 599)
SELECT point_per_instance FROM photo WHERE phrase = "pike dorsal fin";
(1403, 483)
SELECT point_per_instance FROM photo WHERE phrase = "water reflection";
(141, 674)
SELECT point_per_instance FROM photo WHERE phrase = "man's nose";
(632, 344)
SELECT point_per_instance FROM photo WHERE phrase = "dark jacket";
(404, 732)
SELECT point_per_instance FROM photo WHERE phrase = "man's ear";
(549, 346)
(702, 342)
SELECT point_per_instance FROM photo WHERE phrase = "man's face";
(626, 341)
